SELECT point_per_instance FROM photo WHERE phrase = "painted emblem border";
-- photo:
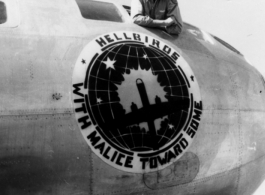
(125, 160)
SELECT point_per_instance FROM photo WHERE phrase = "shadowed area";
(33, 175)
(26, 175)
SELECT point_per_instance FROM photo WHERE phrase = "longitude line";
(132, 137)
(163, 134)
(164, 69)
(97, 81)
(109, 83)
(122, 138)
(148, 60)
(115, 139)
(177, 126)
(127, 58)
(177, 77)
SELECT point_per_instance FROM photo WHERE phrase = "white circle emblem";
(137, 101)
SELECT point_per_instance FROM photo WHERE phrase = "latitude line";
(105, 103)
(163, 150)
(111, 143)
(104, 80)
(120, 42)
(159, 56)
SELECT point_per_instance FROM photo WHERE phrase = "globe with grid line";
(138, 96)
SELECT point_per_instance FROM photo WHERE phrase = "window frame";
(120, 11)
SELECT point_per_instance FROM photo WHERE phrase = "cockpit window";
(227, 45)
(3, 16)
(95, 10)
(127, 8)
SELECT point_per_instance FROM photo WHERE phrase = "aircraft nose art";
(137, 102)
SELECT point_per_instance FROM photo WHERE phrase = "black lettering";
(106, 152)
(156, 42)
(184, 143)
(162, 161)
(194, 124)
(81, 109)
(136, 37)
(77, 89)
(93, 138)
(128, 162)
(110, 40)
(114, 156)
(85, 122)
(144, 160)
(117, 37)
(118, 161)
(167, 49)
(170, 156)
(153, 163)
(191, 132)
(197, 115)
(198, 105)
(177, 150)
(101, 42)
(175, 55)
(125, 36)
(79, 101)
(146, 39)
(101, 147)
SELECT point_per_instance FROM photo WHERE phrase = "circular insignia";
(137, 101)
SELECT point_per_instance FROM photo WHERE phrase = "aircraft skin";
(42, 149)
